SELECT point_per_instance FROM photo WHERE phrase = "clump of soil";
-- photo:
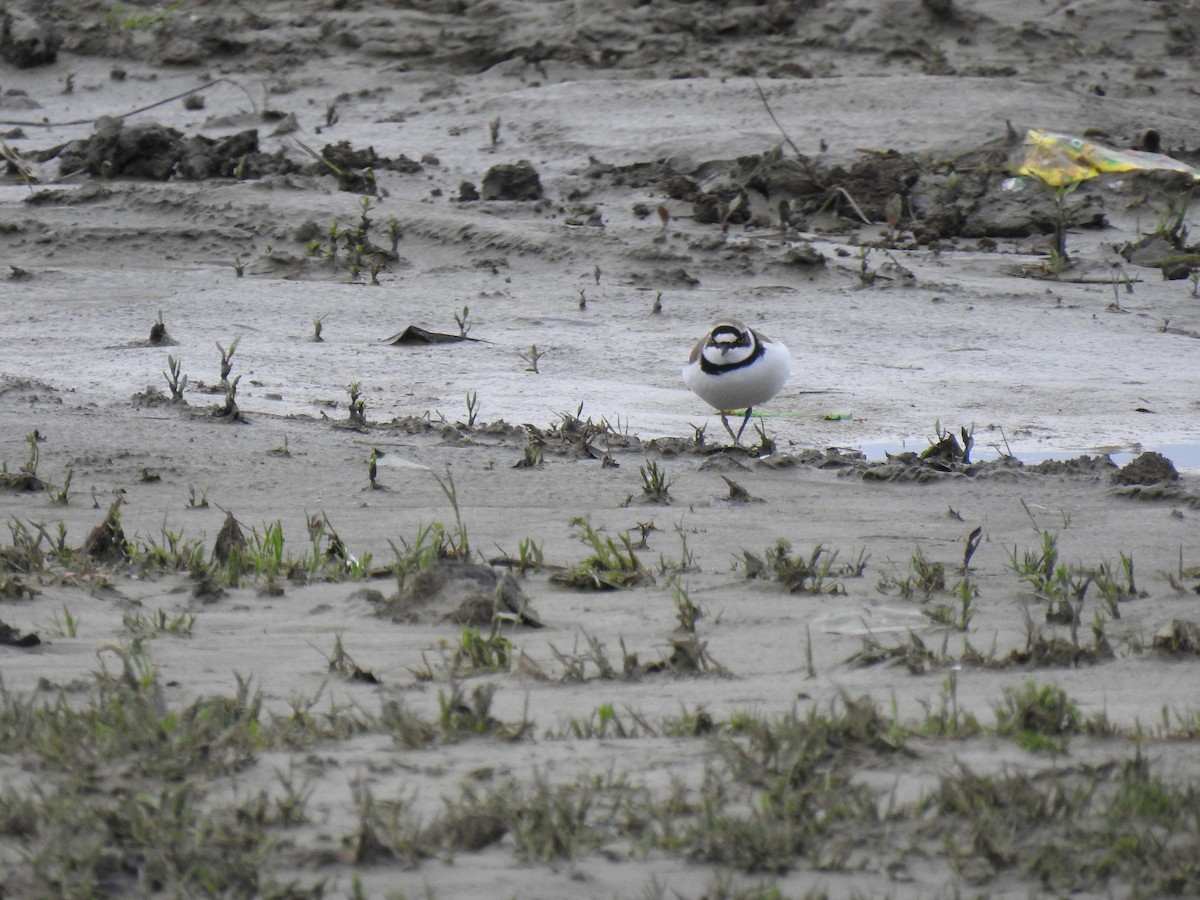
(1149, 468)
(512, 181)
(26, 42)
(878, 177)
(1180, 637)
(467, 594)
(229, 539)
(345, 156)
(157, 153)
(12, 637)
(106, 542)
(1080, 465)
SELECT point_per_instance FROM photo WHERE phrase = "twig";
(762, 96)
(132, 112)
(317, 156)
(853, 205)
(809, 169)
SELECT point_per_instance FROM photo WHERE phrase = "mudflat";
(364, 539)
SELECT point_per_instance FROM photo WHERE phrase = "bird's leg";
(745, 421)
(725, 422)
(737, 438)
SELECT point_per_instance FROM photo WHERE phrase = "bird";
(734, 366)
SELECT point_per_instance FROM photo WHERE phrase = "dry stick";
(13, 158)
(771, 113)
(132, 112)
(853, 205)
(317, 156)
(803, 159)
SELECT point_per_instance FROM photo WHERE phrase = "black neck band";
(711, 368)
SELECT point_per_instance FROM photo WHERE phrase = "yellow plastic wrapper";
(1061, 159)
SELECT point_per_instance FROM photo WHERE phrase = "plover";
(733, 367)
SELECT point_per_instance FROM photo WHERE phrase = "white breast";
(748, 386)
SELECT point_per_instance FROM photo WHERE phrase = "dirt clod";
(229, 539)
(106, 541)
(1180, 637)
(12, 637)
(1149, 468)
(25, 42)
(512, 181)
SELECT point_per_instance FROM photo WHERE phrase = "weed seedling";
(331, 246)
(364, 221)
(1170, 224)
(727, 210)
(766, 445)
(461, 319)
(656, 484)
(230, 410)
(176, 380)
(613, 564)
(340, 663)
(687, 559)
(967, 593)
(472, 408)
(316, 335)
(529, 555)
(476, 654)
(1038, 717)
(358, 405)
(866, 275)
(118, 19)
(61, 496)
(927, 576)
(29, 470)
(358, 568)
(68, 625)
(195, 502)
(895, 208)
(532, 456)
(227, 359)
(458, 547)
(811, 575)
(372, 469)
(686, 612)
(971, 545)
(494, 131)
(239, 266)
(532, 358)
(142, 626)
